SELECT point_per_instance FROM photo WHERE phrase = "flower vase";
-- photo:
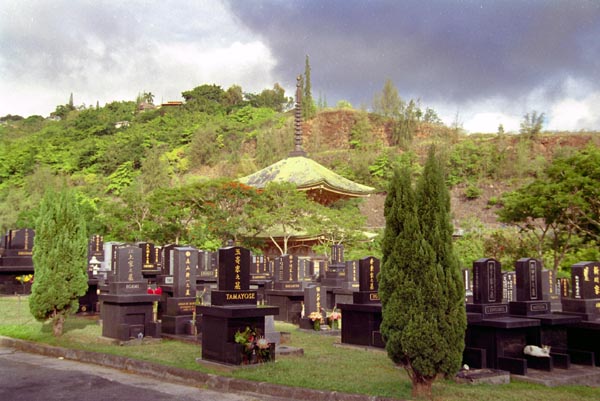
(335, 325)
(317, 325)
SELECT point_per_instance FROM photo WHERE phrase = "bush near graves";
(59, 257)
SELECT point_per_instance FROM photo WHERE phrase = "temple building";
(321, 184)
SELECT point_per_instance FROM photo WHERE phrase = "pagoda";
(321, 184)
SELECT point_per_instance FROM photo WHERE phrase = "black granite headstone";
(96, 247)
(234, 278)
(312, 299)
(148, 256)
(21, 239)
(368, 269)
(586, 280)
(184, 271)
(337, 253)
(529, 279)
(487, 281)
(530, 300)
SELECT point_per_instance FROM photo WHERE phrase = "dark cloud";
(441, 50)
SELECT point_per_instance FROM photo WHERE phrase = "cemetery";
(213, 297)
(249, 312)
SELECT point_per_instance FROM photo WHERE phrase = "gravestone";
(179, 302)
(233, 308)
(287, 292)
(530, 299)
(494, 339)
(466, 275)
(207, 266)
(88, 303)
(260, 276)
(311, 304)
(362, 318)
(487, 289)
(550, 290)
(585, 303)
(127, 308)
(585, 291)
(286, 275)
(150, 269)
(509, 285)
(96, 247)
(16, 263)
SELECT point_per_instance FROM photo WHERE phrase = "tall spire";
(298, 151)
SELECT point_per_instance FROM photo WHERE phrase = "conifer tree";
(308, 105)
(434, 212)
(59, 259)
(408, 287)
(420, 285)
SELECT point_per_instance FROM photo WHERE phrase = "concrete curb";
(184, 376)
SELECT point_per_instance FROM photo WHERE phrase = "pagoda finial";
(298, 151)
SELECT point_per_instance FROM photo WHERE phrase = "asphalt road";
(29, 377)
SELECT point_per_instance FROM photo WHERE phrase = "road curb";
(185, 376)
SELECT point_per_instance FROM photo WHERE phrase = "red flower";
(158, 291)
(150, 290)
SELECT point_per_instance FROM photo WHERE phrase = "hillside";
(119, 155)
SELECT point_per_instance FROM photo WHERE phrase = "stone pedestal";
(222, 322)
(128, 316)
(498, 343)
(360, 324)
(288, 303)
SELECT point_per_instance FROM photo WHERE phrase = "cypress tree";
(308, 109)
(433, 199)
(408, 288)
(59, 259)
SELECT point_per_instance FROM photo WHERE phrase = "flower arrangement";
(335, 318)
(255, 349)
(316, 318)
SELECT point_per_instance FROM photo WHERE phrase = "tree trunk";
(421, 389)
(57, 325)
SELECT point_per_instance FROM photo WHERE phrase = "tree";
(308, 105)
(59, 257)
(420, 284)
(408, 288)
(531, 126)
(282, 211)
(433, 199)
(388, 103)
(559, 205)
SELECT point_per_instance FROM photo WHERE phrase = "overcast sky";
(479, 63)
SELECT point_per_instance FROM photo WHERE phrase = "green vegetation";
(420, 286)
(144, 173)
(59, 255)
(324, 366)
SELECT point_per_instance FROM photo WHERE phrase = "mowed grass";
(325, 365)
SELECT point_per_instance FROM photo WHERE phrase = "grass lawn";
(323, 366)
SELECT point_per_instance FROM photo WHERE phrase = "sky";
(478, 64)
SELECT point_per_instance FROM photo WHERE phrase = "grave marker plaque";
(509, 284)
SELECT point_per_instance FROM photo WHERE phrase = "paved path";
(30, 377)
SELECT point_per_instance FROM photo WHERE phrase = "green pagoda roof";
(307, 175)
